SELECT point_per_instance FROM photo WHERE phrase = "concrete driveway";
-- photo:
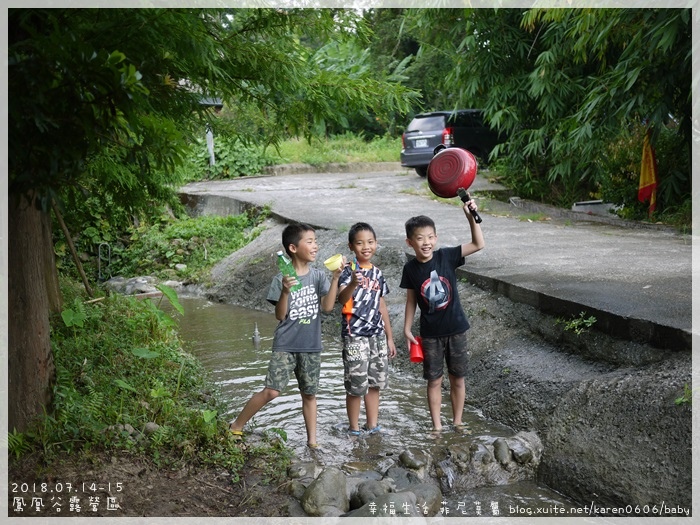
(637, 282)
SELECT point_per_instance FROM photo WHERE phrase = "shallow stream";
(221, 337)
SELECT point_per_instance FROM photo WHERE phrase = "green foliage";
(233, 158)
(347, 147)
(687, 397)
(622, 162)
(106, 393)
(563, 84)
(277, 457)
(579, 325)
(171, 296)
(74, 316)
(18, 444)
(198, 242)
(105, 110)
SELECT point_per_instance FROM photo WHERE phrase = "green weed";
(686, 397)
(578, 325)
(534, 217)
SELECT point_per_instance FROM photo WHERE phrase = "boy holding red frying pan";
(430, 281)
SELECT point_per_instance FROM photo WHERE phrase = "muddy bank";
(604, 409)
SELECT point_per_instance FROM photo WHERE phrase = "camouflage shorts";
(451, 350)
(366, 364)
(305, 365)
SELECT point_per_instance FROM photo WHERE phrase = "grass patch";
(350, 147)
(534, 217)
(196, 242)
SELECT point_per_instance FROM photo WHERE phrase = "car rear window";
(426, 123)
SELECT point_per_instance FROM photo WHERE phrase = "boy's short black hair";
(292, 234)
(357, 228)
(419, 221)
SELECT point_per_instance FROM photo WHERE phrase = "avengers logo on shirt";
(437, 292)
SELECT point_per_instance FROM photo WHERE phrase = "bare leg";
(353, 405)
(457, 395)
(252, 407)
(372, 407)
(435, 401)
(308, 409)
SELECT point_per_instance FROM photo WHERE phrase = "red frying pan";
(450, 173)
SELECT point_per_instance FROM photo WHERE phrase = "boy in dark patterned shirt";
(366, 330)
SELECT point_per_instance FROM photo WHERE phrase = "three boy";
(431, 285)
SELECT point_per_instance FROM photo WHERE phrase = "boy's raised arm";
(477, 235)
(282, 303)
(328, 300)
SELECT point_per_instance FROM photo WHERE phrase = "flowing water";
(221, 337)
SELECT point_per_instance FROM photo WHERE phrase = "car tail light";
(447, 137)
(403, 140)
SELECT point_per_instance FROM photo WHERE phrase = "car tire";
(422, 171)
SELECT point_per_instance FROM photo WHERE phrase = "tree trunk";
(30, 360)
(53, 290)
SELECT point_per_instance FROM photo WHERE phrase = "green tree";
(104, 102)
(565, 83)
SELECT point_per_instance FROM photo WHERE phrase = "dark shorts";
(451, 350)
(306, 366)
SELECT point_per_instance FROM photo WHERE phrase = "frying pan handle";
(466, 198)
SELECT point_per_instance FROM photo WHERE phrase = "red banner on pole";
(648, 175)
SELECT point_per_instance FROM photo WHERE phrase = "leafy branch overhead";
(125, 85)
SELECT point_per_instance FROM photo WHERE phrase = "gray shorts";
(451, 350)
(305, 365)
(366, 363)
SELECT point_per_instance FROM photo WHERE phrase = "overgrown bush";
(232, 158)
(197, 242)
(120, 371)
(622, 163)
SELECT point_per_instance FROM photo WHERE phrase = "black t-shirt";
(435, 284)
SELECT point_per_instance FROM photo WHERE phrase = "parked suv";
(464, 128)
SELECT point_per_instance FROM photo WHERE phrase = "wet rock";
(526, 447)
(307, 470)
(366, 492)
(501, 451)
(481, 454)
(401, 477)
(296, 488)
(326, 495)
(133, 285)
(414, 459)
(461, 454)
(353, 481)
(445, 473)
(428, 498)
